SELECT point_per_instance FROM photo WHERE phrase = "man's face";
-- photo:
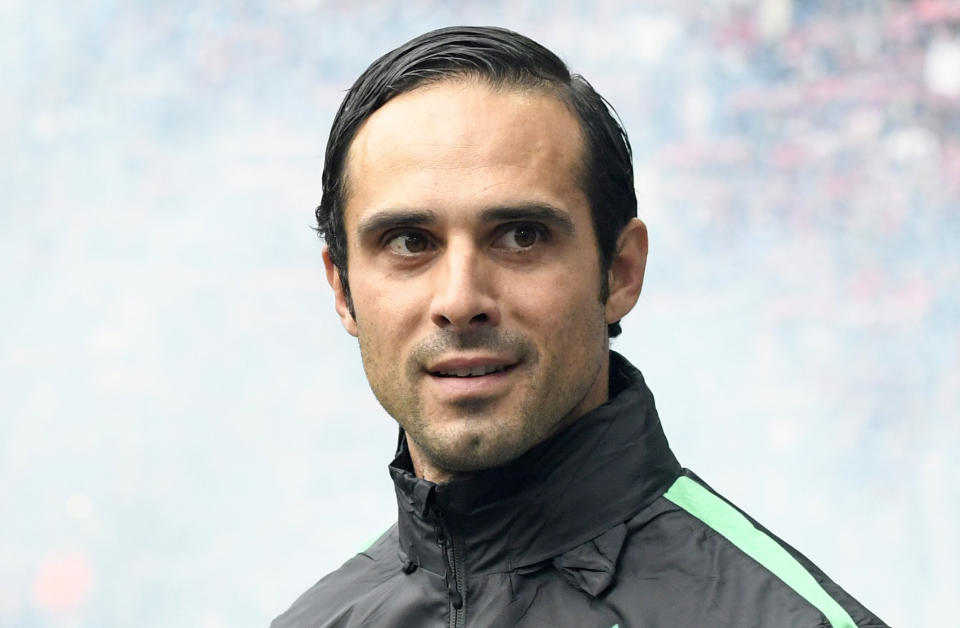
(474, 272)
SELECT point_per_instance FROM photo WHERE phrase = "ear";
(626, 270)
(340, 296)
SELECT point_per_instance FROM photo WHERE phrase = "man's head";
(503, 59)
(460, 208)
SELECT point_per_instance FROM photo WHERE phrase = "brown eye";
(525, 236)
(520, 237)
(408, 243)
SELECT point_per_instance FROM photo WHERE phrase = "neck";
(425, 468)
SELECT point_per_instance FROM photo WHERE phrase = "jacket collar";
(571, 489)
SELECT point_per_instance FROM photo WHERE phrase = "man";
(480, 218)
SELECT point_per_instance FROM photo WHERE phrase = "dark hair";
(503, 59)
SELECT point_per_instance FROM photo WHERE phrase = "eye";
(519, 237)
(407, 243)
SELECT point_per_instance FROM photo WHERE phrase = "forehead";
(462, 140)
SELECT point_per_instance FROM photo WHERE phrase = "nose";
(464, 294)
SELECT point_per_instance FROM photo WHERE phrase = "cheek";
(386, 312)
(565, 308)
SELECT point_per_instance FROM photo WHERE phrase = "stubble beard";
(484, 433)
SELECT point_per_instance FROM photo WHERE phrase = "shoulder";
(331, 600)
(693, 539)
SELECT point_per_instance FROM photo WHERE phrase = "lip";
(455, 364)
(473, 386)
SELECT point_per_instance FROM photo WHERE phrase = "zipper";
(453, 578)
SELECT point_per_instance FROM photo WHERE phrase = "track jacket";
(598, 527)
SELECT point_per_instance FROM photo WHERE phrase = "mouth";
(473, 375)
(472, 371)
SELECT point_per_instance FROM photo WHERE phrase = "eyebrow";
(392, 219)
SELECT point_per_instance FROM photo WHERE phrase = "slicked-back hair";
(503, 59)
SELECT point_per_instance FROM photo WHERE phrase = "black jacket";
(597, 527)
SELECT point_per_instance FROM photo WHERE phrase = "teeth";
(476, 371)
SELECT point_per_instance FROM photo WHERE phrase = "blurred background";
(186, 434)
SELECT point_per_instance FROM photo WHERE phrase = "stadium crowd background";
(186, 437)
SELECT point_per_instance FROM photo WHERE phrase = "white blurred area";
(186, 435)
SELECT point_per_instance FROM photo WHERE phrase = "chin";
(475, 449)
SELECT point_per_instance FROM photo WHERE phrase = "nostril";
(464, 311)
